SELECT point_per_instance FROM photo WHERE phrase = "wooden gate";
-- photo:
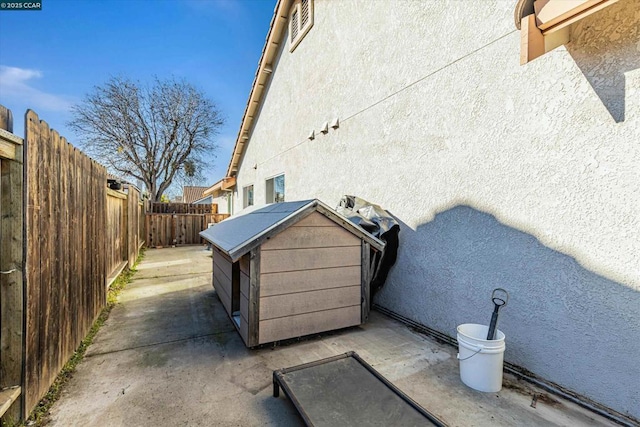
(173, 224)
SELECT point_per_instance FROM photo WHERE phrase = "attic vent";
(300, 22)
(304, 7)
(295, 28)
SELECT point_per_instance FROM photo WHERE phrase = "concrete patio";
(169, 355)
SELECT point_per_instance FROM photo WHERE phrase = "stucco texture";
(521, 177)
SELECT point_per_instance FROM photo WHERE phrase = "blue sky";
(50, 59)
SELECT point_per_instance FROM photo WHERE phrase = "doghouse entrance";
(235, 292)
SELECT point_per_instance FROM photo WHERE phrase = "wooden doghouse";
(291, 269)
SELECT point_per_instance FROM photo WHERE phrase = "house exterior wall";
(521, 177)
(223, 204)
(204, 201)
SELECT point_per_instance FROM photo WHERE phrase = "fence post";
(11, 269)
(125, 228)
(132, 214)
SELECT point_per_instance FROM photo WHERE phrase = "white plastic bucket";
(480, 359)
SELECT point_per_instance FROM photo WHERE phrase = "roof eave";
(269, 51)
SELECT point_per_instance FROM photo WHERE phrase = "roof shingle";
(192, 193)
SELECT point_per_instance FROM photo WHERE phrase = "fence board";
(141, 224)
(75, 293)
(133, 224)
(53, 347)
(32, 261)
(65, 239)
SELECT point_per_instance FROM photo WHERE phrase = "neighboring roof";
(265, 68)
(223, 184)
(204, 201)
(192, 193)
(240, 234)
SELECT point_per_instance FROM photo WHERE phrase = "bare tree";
(157, 133)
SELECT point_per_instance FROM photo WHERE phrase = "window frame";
(271, 198)
(245, 200)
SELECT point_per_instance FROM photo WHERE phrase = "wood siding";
(245, 282)
(301, 281)
(309, 323)
(310, 276)
(222, 278)
(311, 237)
(307, 302)
(310, 258)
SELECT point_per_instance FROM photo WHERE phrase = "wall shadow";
(563, 322)
(605, 46)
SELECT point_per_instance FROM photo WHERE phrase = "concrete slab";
(169, 355)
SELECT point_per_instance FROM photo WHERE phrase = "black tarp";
(380, 224)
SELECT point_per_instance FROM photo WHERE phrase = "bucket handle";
(467, 358)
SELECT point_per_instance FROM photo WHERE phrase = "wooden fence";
(183, 208)
(178, 229)
(172, 224)
(74, 236)
(65, 266)
(116, 251)
(125, 233)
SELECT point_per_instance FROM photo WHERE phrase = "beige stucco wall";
(524, 177)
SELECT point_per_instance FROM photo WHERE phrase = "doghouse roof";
(240, 234)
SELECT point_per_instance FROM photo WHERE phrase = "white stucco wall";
(223, 204)
(522, 177)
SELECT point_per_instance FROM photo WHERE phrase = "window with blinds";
(300, 21)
